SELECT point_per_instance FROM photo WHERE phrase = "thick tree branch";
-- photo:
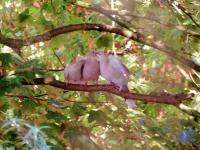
(166, 99)
(18, 43)
(15, 44)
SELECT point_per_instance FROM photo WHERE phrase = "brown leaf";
(91, 43)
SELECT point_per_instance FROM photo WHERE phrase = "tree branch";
(166, 99)
(121, 21)
(183, 9)
(58, 59)
(18, 43)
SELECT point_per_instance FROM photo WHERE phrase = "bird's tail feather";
(130, 103)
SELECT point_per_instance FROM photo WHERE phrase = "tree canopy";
(159, 42)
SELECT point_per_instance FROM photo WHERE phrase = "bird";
(91, 69)
(115, 72)
(73, 72)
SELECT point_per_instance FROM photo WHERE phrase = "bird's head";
(81, 61)
(101, 56)
(99, 53)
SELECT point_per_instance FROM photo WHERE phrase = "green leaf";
(99, 116)
(78, 109)
(188, 22)
(56, 116)
(29, 105)
(7, 32)
(58, 41)
(30, 69)
(8, 83)
(104, 41)
(47, 7)
(23, 16)
(94, 115)
(5, 59)
(4, 104)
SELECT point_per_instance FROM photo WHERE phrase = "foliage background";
(45, 117)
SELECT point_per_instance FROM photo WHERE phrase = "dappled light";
(99, 74)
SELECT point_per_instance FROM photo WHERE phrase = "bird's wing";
(66, 73)
(118, 65)
(81, 71)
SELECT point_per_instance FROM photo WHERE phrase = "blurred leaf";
(58, 41)
(56, 116)
(8, 83)
(78, 109)
(98, 116)
(5, 59)
(23, 16)
(47, 7)
(103, 122)
(104, 41)
(30, 69)
(28, 105)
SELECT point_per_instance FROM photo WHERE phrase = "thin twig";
(109, 13)
(186, 12)
(58, 58)
(189, 110)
